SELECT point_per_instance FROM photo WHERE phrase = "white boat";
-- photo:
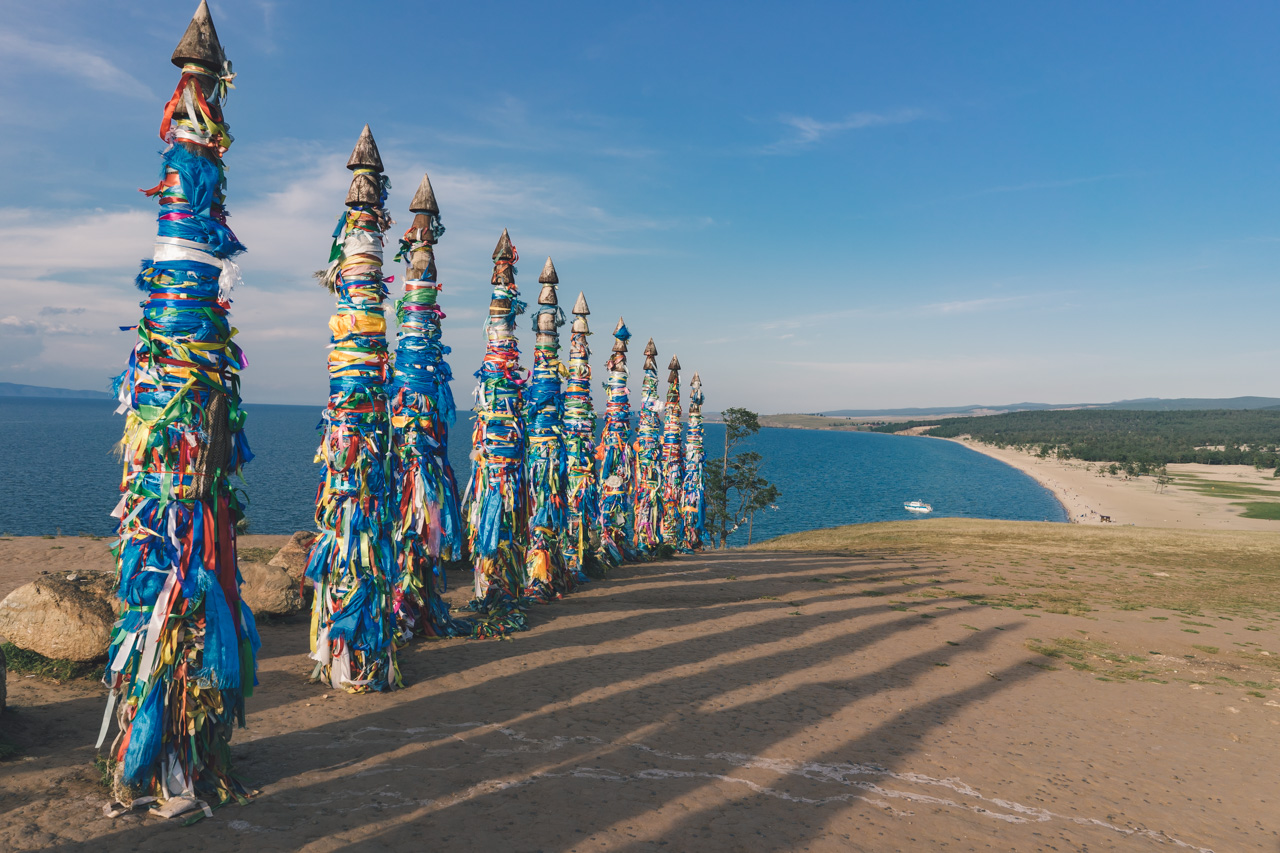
(917, 506)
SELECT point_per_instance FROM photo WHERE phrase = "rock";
(61, 618)
(269, 589)
(4, 672)
(293, 556)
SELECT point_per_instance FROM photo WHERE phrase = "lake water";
(59, 474)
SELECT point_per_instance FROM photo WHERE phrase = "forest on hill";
(1145, 438)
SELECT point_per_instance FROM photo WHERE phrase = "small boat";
(917, 506)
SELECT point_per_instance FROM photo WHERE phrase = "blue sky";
(817, 206)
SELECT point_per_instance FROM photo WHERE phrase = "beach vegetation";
(1146, 439)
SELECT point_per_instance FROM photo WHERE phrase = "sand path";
(732, 702)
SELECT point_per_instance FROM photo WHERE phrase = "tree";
(735, 491)
(752, 492)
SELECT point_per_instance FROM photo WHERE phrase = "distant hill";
(941, 410)
(1145, 404)
(1180, 404)
(13, 389)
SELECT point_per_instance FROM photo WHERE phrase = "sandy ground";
(730, 702)
(1088, 495)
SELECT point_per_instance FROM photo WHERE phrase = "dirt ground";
(740, 701)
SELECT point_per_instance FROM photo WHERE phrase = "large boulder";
(4, 673)
(293, 556)
(269, 589)
(67, 617)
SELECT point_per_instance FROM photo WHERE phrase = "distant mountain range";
(1157, 404)
(13, 389)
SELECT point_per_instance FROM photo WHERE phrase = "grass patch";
(33, 663)
(256, 555)
(1093, 656)
(1266, 661)
(1223, 488)
(1234, 572)
(1209, 650)
(106, 767)
(1269, 510)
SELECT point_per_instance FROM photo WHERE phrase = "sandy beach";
(881, 699)
(1088, 495)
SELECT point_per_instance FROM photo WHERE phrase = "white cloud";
(76, 61)
(809, 131)
(969, 306)
(62, 265)
(18, 326)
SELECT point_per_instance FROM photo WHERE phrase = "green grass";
(1223, 488)
(1093, 656)
(106, 769)
(256, 555)
(1268, 510)
(1233, 572)
(33, 663)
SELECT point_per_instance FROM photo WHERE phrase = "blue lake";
(59, 473)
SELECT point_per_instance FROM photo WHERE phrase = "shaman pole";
(672, 459)
(496, 503)
(693, 508)
(182, 656)
(546, 573)
(585, 533)
(648, 483)
(616, 455)
(427, 524)
(353, 561)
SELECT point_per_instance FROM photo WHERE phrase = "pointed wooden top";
(424, 200)
(675, 363)
(200, 42)
(504, 250)
(580, 307)
(649, 349)
(548, 275)
(365, 155)
(620, 327)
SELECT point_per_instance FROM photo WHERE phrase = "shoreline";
(1089, 497)
(1060, 494)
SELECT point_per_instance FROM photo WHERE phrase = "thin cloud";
(970, 306)
(961, 306)
(87, 67)
(808, 131)
(1032, 186)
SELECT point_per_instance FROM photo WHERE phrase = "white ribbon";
(178, 249)
(155, 627)
(360, 242)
